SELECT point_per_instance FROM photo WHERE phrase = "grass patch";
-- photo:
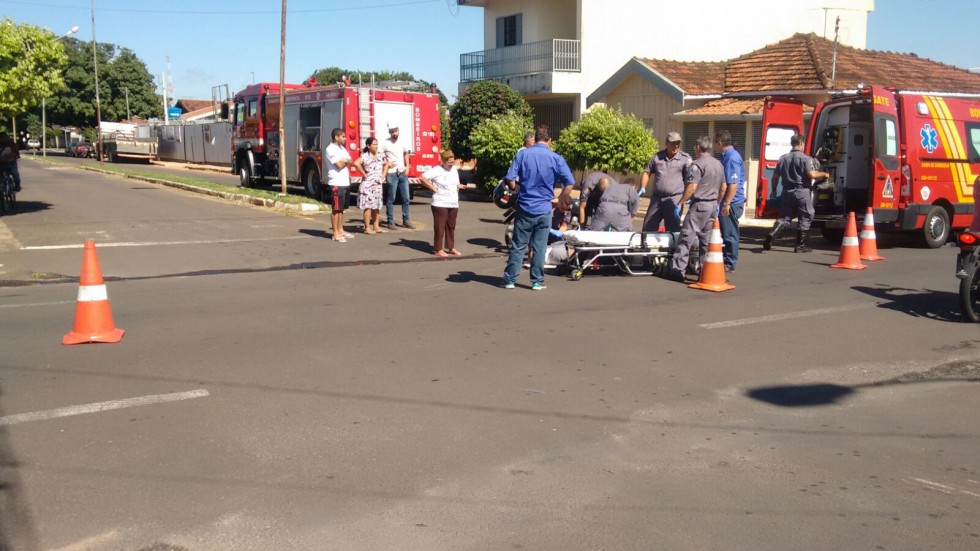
(186, 180)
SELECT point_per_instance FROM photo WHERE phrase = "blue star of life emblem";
(929, 141)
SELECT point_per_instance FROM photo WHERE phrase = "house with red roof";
(700, 98)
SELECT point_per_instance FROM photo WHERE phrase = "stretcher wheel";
(576, 275)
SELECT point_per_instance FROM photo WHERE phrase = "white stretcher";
(634, 253)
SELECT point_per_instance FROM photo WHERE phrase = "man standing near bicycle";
(9, 154)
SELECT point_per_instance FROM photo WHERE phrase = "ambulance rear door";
(885, 164)
(781, 119)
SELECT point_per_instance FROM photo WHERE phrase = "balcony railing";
(547, 56)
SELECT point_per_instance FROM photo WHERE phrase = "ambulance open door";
(781, 119)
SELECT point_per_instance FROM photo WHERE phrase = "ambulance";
(911, 156)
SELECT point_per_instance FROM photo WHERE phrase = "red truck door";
(781, 119)
(885, 187)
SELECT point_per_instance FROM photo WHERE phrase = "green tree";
(495, 141)
(478, 103)
(31, 60)
(119, 70)
(607, 139)
(331, 75)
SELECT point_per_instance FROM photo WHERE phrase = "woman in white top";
(444, 182)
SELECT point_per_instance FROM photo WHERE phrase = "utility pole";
(163, 85)
(282, 99)
(44, 109)
(98, 105)
(128, 116)
(833, 65)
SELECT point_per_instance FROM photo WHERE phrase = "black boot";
(777, 228)
(801, 242)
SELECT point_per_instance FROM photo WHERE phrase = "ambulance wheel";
(935, 228)
(245, 174)
(834, 235)
(576, 275)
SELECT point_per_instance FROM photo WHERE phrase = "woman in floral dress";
(369, 194)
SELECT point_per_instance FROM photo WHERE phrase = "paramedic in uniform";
(668, 170)
(705, 185)
(617, 206)
(797, 170)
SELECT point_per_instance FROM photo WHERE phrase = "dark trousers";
(444, 227)
(661, 209)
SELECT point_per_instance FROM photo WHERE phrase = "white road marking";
(36, 304)
(101, 406)
(946, 489)
(93, 542)
(158, 243)
(789, 315)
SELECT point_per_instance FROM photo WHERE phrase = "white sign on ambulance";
(889, 190)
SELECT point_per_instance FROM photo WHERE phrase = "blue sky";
(214, 42)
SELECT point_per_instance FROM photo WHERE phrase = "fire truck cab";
(310, 114)
(912, 157)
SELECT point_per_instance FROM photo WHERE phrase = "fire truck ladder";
(365, 112)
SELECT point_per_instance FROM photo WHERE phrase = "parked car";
(33, 143)
(82, 149)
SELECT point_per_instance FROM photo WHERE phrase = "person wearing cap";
(397, 153)
(668, 172)
(733, 201)
(706, 183)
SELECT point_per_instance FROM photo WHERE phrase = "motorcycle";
(968, 272)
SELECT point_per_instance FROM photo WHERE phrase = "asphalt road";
(368, 396)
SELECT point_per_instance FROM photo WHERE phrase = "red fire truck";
(312, 112)
(912, 156)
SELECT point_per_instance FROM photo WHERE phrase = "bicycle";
(8, 197)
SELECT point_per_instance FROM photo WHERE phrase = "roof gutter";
(764, 93)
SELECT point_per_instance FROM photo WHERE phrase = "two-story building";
(557, 52)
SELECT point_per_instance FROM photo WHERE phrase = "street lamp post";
(98, 105)
(44, 112)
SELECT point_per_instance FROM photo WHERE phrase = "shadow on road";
(26, 207)
(469, 277)
(414, 244)
(486, 242)
(315, 233)
(17, 529)
(825, 394)
(920, 303)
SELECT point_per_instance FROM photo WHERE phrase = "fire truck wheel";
(311, 181)
(245, 174)
(935, 228)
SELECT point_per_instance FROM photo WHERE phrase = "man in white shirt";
(337, 160)
(397, 153)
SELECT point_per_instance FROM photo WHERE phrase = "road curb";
(305, 208)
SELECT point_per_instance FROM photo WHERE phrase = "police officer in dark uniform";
(705, 186)
(668, 170)
(798, 171)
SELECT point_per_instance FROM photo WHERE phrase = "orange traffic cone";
(713, 267)
(93, 318)
(850, 257)
(868, 242)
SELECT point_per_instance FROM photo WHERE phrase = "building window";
(509, 31)
(737, 130)
(692, 131)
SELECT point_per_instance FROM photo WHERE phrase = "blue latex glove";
(677, 211)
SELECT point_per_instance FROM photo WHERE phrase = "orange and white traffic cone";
(850, 256)
(713, 267)
(868, 241)
(93, 318)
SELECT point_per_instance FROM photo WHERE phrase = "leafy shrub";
(494, 143)
(477, 104)
(607, 139)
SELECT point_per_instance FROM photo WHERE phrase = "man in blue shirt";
(538, 168)
(733, 204)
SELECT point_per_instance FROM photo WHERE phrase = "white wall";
(541, 19)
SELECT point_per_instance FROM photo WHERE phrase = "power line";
(225, 13)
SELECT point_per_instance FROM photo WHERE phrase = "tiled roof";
(805, 62)
(198, 113)
(695, 78)
(733, 106)
(193, 104)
